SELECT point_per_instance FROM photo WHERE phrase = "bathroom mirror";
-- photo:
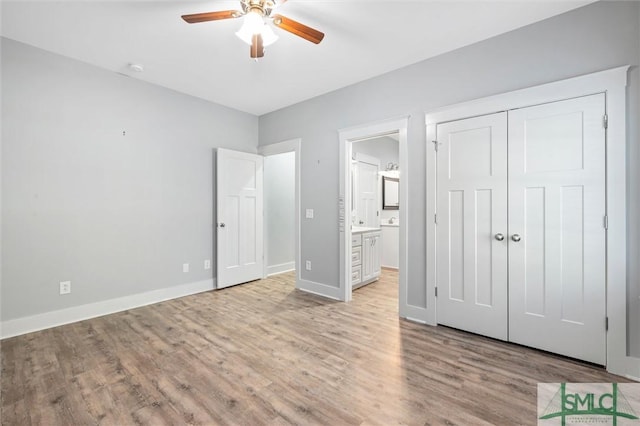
(390, 193)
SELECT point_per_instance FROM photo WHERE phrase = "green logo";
(588, 407)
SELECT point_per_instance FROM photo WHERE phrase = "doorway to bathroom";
(375, 232)
(373, 207)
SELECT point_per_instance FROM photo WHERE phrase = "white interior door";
(240, 217)
(367, 192)
(556, 212)
(471, 218)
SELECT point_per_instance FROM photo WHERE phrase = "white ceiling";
(363, 39)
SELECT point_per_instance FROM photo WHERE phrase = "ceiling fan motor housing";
(261, 7)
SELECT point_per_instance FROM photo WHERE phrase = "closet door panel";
(471, 210)
(557, 246)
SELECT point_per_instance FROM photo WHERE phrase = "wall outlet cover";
(207, 264)
(309, 214)
(308, 265)
(65, 287)
(185, 267)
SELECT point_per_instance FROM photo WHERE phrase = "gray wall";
(593, 38)
(115, 214)
(385, 149)
(279, 203)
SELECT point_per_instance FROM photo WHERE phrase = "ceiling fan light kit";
(254, 25)
(255, 31)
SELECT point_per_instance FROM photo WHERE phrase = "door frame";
(291, 145)
(347, 137)
(613, 84)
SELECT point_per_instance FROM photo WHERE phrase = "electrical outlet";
(65, 287)
(308, 265)
(207, 264)
(309, 213)
(185, 267)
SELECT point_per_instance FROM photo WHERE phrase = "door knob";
(222, 225)
(516, 237)
(499, 237)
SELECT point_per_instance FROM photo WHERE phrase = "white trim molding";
(18, 326)
(346, 137)
(281, 268)
(319, 289)
(613, 84)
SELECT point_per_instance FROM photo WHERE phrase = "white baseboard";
(18, 326)
(637, 379)
(281, 268)
(319, 289)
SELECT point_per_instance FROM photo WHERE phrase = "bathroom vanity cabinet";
(366, 251)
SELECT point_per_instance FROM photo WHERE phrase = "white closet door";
(556, 211)
(472, 212)
(240, 217)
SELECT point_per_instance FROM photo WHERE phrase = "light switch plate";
(185, 267)
(309, 213)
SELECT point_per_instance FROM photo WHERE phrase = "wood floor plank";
(266, 354)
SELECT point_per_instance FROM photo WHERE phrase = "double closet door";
(521, 226)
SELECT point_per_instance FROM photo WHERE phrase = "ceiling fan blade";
(211, 16)
(257, 48)
(294, 27)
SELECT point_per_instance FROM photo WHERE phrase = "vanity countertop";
(361, 229)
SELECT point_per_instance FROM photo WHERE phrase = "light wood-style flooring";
(265, 353)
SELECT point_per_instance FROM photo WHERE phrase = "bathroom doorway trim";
(347, 137)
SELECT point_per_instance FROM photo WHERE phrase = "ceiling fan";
(255, 30)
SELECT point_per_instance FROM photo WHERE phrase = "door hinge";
(605, 121)
(435, 145)
(435, 218)
(606, 222)
(606, 323)
(436, 291)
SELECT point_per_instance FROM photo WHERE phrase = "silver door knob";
(222, 225)
(499, 237)
(515, 237)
